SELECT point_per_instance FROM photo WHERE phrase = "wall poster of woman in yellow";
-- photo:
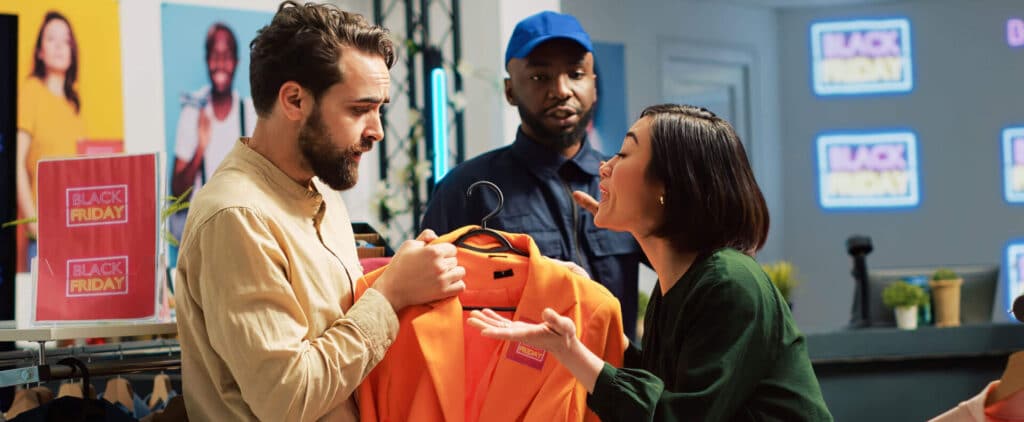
(69, 91)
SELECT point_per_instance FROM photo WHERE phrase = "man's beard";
(339, 169)
(555, 140)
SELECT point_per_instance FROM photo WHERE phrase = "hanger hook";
(496, 189)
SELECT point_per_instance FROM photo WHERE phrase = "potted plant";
(784, 276)
(643, 300)
(904, 298)
(945, 285)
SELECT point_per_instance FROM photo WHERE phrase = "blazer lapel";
(443, 353)
(521, 370)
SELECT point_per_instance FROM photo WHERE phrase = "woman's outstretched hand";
(555, 334)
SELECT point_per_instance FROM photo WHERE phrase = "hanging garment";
(173, 412)
(28, 399)
(160, 404)
(74, 389)
(440, 369)
(138, 408)
(74, 409)
(162, 392)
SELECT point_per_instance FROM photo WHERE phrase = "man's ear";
(596, 91)
(508, 93)
(293, 101)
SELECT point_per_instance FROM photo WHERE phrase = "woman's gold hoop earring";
(661, 200)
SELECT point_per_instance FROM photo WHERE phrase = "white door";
(716, 78)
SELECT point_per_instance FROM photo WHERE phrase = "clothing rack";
(61, 371)
(41, 335)
(99, 360)
(33, 366)
(166, 347)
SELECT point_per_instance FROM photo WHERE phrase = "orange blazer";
(422, 377)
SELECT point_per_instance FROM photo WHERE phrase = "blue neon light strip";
(439, 111)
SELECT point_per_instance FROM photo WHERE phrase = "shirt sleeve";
(631, 357)
(602, 334)
(186, 137)
(256, 324)
(724, 356)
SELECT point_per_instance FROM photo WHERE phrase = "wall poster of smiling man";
(207, 104)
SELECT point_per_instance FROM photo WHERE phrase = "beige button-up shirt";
(266, 320)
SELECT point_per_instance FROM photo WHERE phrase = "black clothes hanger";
(483, 230)
(506, 246)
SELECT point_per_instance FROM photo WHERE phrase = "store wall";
(645, 27)
(966, 89)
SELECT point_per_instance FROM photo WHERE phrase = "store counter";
(885, 374)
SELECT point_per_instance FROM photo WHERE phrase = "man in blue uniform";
(552, 83)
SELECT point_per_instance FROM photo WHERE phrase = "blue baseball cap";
(542, 27)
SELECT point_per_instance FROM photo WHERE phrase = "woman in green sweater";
(719, 341)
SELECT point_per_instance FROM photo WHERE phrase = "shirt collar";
(540, 159)
(308, 200)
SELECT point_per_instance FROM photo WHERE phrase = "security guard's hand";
(572, 266)
(586, 201)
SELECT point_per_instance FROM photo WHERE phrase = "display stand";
(369, 242)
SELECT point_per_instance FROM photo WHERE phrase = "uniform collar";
(542, 161)
(305, 200)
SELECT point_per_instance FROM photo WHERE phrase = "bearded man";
(268, 324)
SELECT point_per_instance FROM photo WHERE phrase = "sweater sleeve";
(717, 367)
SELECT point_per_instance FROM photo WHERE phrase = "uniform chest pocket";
(547, 237)
(550, 244)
